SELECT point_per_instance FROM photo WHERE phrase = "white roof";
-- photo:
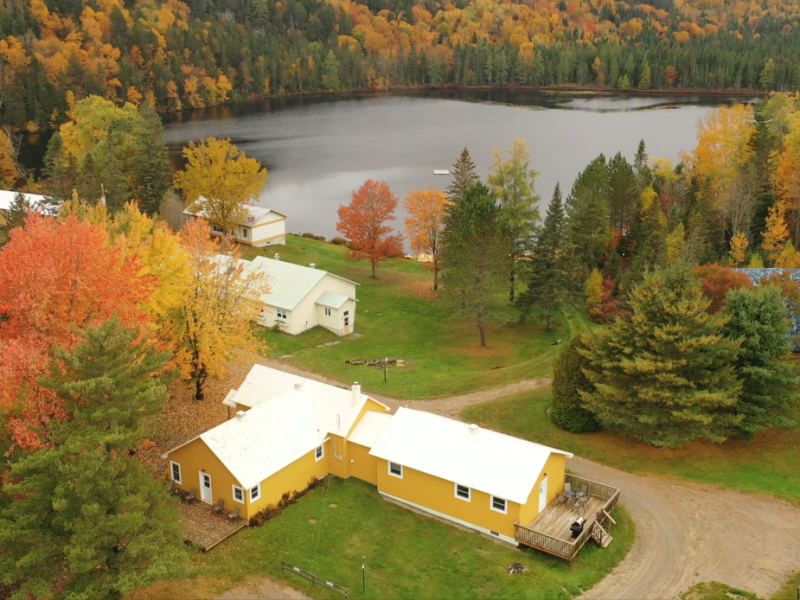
(256, 214)
(283, 426)
(289, 283)
(488, 461)
(7, 198)
(369, 428)
(332, 300)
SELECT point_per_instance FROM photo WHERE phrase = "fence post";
(364, 575)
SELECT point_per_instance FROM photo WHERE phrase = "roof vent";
(298, 386)
(473, 429)
(277, 256)
(356, 393)
(240, 414)
(313, 265)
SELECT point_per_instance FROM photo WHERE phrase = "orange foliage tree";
(716, 280)
(363, 223)
(425, 223)
(55, 278)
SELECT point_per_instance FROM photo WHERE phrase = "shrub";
(339, 241)
(567, 410)
(272, 510)
(310, 236)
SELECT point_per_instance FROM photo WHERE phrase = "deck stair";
(601, 536)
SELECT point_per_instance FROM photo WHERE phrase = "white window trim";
(469, 492)
(233, 492)
(172, 472)
(321, 454)
(258, 494)
(245, 233)
(327, 312)
(505, 503)
(217, 229)
(281, 314)
(389, 469)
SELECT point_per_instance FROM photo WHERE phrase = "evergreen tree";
(759, 318)
(664, 375)
(567, 410)
(330, 73)
(16, 213)
(587, 217)
(84, 518)
(151, 178)
(464, 176)
(59, 172)
(548, 277)
(475, 258)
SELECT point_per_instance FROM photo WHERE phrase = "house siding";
(195, 457)
(363, 465)
(293, 477)
(554, 468)
(269, 233)
(438, 495)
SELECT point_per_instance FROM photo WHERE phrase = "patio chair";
(219, 507)
(584, 490)
(580, 503)
(191, 496)
(565, 494)
(234, 514)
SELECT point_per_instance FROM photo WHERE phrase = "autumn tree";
(513, 183)
(218, 179)
(716, 281)
(55, 278)
(665, 375)
(363, 224)
(475, 258)
(464, 176)
(212, 322)
(84, 517)
(425, 223)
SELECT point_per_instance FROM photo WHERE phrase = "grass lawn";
(408, 555)
(768, 464)
(398, 316)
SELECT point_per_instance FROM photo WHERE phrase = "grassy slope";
(398, 316)
(767, 465)
(408, 555)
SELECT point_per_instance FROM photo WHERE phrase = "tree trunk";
(511, 290)
(435, 275)
(549, 318)
(482, 329)
(199, 383)
(373, 270)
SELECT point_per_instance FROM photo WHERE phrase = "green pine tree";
(567, 409)
(548, 277)
(464, 176)
(475, 259)
(84, 518)
(587, 217)
(14, 217)
(664, 375)
(330, 73)
(150, 173)
(759, 318)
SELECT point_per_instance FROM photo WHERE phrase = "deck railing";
(544, 542)
(598, 490)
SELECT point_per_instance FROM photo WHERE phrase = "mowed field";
(399, 316)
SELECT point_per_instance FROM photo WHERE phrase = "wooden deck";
(550, 530)
(204, 528)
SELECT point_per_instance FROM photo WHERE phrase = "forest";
(174, 55)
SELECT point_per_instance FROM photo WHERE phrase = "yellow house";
(288, 429)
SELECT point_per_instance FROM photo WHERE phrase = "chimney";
(356, 393)
(313, 265)
(277, 256)
(240, 414)
(473, 429)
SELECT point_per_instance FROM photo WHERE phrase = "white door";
(543, 494)
(205, 488)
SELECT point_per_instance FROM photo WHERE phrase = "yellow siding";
(363, 466)
(439, 495)
(293, 477)
(195, 457)
(337, 467)
(554, 468)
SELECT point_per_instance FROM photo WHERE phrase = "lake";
(317, 150)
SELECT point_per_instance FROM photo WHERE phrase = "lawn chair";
(219, 507)
(584, 490)
(234, 514)
(580, 503)
(564, 496)
(191, 496)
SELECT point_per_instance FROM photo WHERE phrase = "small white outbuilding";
(262, 227)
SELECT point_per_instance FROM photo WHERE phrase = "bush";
(311, 236)
(339, 241)
(567, 410)
(271, 511)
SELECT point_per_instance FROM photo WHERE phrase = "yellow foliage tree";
(789, 258)
(593, 290)
(775, 233)
(676, 244)
(212, 323)
(218, 180)
(739, 244)
(425, 223)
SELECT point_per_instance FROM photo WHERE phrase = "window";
(346, 318)
(281, 313)
(462, 492)
(244, 233)
(499, 504)
(217, 229)
(238, 494)
(319, 453)
(255, 493)
(176, 472)
(396, 470)
(327, 312)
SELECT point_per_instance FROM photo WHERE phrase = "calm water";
(318, 150)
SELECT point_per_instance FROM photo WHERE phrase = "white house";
(7, 199)
(303, 297)
(263, 226)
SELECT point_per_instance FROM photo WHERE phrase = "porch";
(550, 531)
(205, 528)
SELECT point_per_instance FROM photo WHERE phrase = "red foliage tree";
(717, 280)
(363, 223)
(55, 278)
(609, 308)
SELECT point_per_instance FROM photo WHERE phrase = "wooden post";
(386, 369)
(363, 575)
